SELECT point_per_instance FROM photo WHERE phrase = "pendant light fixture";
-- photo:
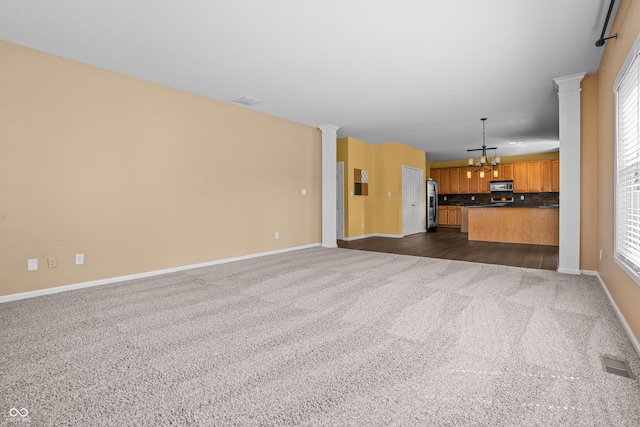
(483, 163)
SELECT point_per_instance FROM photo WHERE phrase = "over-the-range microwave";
(500, 186)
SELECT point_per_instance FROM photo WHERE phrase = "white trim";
(366, 236)
(569, 271)
(589, 272)
(569, 132)
(31, 294)
(393, 236)
(363, 236)
(340, 203)
(329, 155)
(634, 341)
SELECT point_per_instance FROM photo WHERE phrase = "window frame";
(631, 268)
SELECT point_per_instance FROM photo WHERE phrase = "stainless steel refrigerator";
(432, 205)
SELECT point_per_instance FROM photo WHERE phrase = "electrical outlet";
(51, 262)
(32, 264)
(601, 254)
(473, 197)
(277, 235)
(445, 197)
(303, 191)
(79, 259)
(362, 225)
(521, 197)
(389, 194)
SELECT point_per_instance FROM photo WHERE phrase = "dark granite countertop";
(513, 206)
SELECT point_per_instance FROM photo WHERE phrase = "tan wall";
(379, 213)
(359, 210)
(624, 290)
(390, 158)
(589, 173)
(140, 177)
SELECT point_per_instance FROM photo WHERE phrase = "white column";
(569, 115)
(329, 204)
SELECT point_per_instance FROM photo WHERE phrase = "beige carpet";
(321, 337)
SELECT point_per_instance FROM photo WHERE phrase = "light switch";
(304, 192)
(389, 194)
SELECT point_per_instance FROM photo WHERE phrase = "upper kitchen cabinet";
(528, 177)
(463, 181)
(555, 175)
(505, 172)
(536, 177)
(546, 175)
(454, 181)
(435, 175)
(520, 178)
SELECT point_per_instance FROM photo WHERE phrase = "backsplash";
(530, 199)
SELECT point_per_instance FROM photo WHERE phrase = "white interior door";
(412, 200)
(340, 200)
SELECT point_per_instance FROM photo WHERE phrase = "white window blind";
(627, 89)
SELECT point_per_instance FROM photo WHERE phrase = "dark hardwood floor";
(450, 243)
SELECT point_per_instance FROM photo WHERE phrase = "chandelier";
(483, 163)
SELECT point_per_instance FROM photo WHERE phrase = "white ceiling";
(419, 72)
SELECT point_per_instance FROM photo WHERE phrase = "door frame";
(340, 200)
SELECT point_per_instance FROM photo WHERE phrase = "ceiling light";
(483, 163)
(247, 101)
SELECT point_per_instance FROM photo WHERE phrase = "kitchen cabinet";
(450, 215)
(546, 175)
(485, 184)
(555, 175)
(435, 175)
(474, 183)
(454, 181)
(520, 178)
(528, 177)
(443, 184)
(505, 172)
(463, 181)
(443, 216)
(534, 177)
(453, 216)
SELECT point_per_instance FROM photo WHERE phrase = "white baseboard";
(365, 236)
(625, 325)
(393, 236)
(588, 272)
(31, 294)
(568, 271)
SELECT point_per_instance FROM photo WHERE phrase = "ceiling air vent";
(247, 101)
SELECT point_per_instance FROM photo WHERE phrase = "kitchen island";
(514, 224)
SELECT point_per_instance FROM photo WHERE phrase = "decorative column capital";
(568, 83)
(329, 129)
